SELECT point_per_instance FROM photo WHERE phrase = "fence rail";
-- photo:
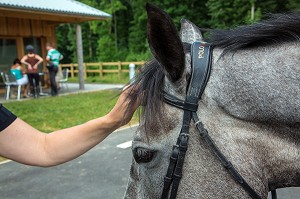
(102, 67)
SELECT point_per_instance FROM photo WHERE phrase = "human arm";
(23, 61)
(48, 56)
(25, 144)
(40, 60)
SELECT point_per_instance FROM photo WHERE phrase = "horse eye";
(142, 155)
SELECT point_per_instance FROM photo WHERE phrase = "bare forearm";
(24, 62)
(64, 145)
(40, 60)
(23, 143)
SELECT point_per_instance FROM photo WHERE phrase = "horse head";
(246, 107)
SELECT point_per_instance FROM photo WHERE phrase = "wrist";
(102, 126)
(113, 121)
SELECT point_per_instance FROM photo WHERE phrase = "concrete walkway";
(101, 173)
(66, 89)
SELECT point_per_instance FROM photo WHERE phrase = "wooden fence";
(102, 67)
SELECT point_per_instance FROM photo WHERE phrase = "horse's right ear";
(189, 32)
(164, 42)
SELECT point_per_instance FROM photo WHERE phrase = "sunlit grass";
(52, 113)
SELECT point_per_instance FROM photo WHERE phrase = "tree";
(137, 30)
(66, 42)
(229, 13)
(293, 5)
(124, 36)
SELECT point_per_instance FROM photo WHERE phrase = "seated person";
(22, 79)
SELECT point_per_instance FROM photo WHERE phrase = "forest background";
(123, 37)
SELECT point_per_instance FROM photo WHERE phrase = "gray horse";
(250, 107)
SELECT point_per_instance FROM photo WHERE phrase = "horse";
(250, 107)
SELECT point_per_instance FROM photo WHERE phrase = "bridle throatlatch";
(201, 68)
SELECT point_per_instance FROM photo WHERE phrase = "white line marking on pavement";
(5, 161)
(125, 145)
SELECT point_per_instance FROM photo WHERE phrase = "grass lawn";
(53, 113)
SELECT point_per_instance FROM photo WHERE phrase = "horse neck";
(277, 143)
(266, 155)
(282, 156)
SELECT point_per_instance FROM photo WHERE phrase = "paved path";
(101, 173)
(70, 88)
(288, 193)
(74, 87)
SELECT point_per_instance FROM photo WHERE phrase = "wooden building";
(34, 22)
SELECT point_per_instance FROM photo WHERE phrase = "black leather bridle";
(201, 68)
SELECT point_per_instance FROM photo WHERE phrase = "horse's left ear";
(189, 32)
(164, 42)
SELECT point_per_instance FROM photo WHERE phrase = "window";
(35, 42)
(8, 53)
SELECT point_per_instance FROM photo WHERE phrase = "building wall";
(25, 27)
(17, 29)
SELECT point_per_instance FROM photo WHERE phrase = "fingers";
(126, 87)
(126, 105)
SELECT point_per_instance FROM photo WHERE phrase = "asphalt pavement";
(101, 173)
(66, 89)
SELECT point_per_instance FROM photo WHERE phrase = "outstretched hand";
(123, 110)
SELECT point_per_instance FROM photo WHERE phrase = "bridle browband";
(201, 68)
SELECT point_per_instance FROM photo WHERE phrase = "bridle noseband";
(201, 68)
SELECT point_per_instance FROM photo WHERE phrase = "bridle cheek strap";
(201, 68)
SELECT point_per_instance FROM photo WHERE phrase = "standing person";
(22, 79)
(53, 58)
(32, 61)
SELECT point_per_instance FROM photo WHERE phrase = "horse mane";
(277, 29)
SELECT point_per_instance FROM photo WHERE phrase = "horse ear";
(189, 32)
(164, 42)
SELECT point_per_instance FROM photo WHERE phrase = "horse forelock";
(150, 82)
(150, 87)
(278, 28)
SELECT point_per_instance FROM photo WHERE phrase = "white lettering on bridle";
(201, 52)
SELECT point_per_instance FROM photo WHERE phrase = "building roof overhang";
(57, 11)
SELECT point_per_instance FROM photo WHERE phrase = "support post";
(131, 72)
(80, 57)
